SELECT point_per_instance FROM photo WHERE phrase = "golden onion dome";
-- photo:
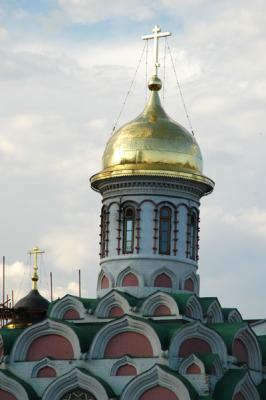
(152, 145)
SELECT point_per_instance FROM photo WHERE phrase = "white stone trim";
(151, 378)
(124, 324)
(122, 361)
(110, 300)
(195, 280)
(108, 275)
(46, 327)
(195, 307)
(199, 331)
(234, 316)
(45, 362)
(72, 380)
(248, 337)
(166, 271)
(247, 388)
(126, 271)
(13, 387)
(158, 299)
(192, 359)
(66, 303)
(215, 310)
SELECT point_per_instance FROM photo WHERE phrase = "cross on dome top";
(35, 251)
(156, 35)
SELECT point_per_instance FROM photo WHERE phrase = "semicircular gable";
(124, 325)
(207, 338)
(144, 386)
(47, 327)
(126, 360)
(193, 308)
(191, 283)
(45, 363)
(12, 389)
(157, 299)
(214, 313)
(110, 300)
(129, 277)
(75, 379)
(107, 283)
(62, 306)
(189, 361)
(164, 272)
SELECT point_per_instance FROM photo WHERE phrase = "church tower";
(151, 184)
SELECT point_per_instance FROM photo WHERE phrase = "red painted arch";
(126, 370)
(6, 395)
(54, 346)
(71, 314)
(115, 312)
(158, 393)
(46, 372)
(240, 351)
(163, 280)
(130, 280)
(128, 343)
(193, 369)
(189, 285)
(104, 282)
(162, 310)
(194, 345)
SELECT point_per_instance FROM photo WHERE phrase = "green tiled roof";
(29, 390)
(166, 329)
(227, 332)
(181, 299)
(87, 303)
(205, 303)
(227, 311)
(262, 343)
(9, 336)
(225, 387)
(262, 389)
(208, 360)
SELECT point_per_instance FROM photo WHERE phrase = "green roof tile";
(225, 387)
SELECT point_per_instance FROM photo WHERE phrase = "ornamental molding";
(158, 299)
(169, 273)
(110, 300)
(127, 271)
(46, 327)
(65, 304)
(215, 312)
(124, 324)
(195, 279)
(199, 331)
(247, 388)
(194, 305)
(234, 316)
(192, 359)
(72, 380)
(122, 361)
(248, 337)
(108, 275)
(13, 387)
(156, 376)
(45, 362)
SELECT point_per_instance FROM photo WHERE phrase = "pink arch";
(6, 395)
(128, 343)
(104, 282)
(162, 310)
(194, 345)
(163, 280)
(54, 346)
(126, 370)
(193, 369)
(158, 393)
(240, 351)
(130, 280)
(71, 314)
(189, 285)
(116, 311)
(46, 372)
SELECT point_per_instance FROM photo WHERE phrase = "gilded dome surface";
(153, 141)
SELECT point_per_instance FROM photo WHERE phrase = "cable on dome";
(130, 87)
(180, 91)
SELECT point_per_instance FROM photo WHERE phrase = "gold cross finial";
(156, 35)
(35, 251)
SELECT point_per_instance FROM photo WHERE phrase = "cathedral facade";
(148, 335)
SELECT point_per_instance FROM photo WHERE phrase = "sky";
(65, 69)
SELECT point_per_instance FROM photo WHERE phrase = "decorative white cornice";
(158, 299)
(45, 362)
(156, 376)
(247, 388)
(110, 300)
(13, 387)
(46, 327)
(66, 303)
(122, 361)
(72, 380)
(124, 324)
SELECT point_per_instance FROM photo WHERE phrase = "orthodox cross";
(35, 252)
(156, 35)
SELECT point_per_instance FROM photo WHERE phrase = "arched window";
(193, 236)
(78, 394)
(128, 230)
(103, 232)
(165, 230)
